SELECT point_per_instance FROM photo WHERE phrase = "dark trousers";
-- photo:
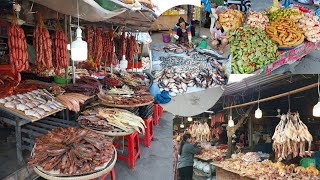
(186, 173)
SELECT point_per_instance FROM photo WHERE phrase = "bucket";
(306, 162)
(166, 37)
(203, 44)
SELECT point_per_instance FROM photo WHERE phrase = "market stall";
(269, 125)
(272, 38)
(75, 129)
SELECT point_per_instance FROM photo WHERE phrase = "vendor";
(185, 162)
(218, 37)
(183, 32)
(241, 5)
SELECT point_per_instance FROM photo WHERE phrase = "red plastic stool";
(155, 114)
(148, 136)
(160, 111)
(112, 175)
(133, 147)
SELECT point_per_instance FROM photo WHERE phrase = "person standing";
(185, 162)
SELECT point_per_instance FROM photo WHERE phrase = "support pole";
(275, 97)
(232, 130)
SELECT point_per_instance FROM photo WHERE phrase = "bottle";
(124, 63)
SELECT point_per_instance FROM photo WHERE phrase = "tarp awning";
(89, 10)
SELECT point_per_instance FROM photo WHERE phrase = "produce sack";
(108, 5)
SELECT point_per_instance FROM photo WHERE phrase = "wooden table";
(166, 22)
(18, 119)
(223, 174)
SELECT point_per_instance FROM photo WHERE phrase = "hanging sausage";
(17, 48)
(42, 44)
(59, 50)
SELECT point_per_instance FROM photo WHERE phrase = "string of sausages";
(89, 32)
(97, 51)
(108, 48)
(17, 48)
(131, 47)
(42, 44)
(121, 45)
(59, 50)
(112, 58)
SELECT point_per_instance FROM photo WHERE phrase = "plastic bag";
(304, 1)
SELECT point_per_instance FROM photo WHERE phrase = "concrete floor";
(155, 162)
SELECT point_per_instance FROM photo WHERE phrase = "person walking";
(185, 162)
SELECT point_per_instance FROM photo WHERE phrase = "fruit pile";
(257, 19)
(290, 13)
(231, 19)
(251, 49)
(284, 32)
(311, 27)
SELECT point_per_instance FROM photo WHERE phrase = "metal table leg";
(18, 142)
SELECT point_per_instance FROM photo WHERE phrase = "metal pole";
(73, 68)
(18, 142)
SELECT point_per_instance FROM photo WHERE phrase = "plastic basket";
(306, 162)
(166, 37)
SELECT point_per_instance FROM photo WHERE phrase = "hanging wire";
(78, 12)
(289, 102)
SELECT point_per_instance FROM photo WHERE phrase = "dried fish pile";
(171, 61)
(72, 100)
(130, 80)
(290, 137)
(36, 103)
(85, 85)
(178, 79)
(125, 90)
(136, 99)
(175, 80)
(71, 151)
(105, 119)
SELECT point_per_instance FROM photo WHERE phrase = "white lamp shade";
(79, 48)
(258, 113)
(230, 123)
(189, 119)
(123, 63)
(316, 110)
(182, 125)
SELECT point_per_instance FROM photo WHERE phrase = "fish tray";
(126, 106)
(116, 132)
(108, 166)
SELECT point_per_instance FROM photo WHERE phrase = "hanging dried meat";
(131, 47)
(97, 51)
(59, 50)
(89, 33)
(17, 48)
(108, 48)
(42, 45)
(121, 45)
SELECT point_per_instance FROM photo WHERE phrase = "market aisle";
(155, 162)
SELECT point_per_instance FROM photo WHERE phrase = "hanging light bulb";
(258, 112)
(182, 125)
(79, 48)
(189, 119)
(230, 122)
(316, 108)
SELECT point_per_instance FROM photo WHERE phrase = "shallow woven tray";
(115, 132)
(93, 175)
(125, 106)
